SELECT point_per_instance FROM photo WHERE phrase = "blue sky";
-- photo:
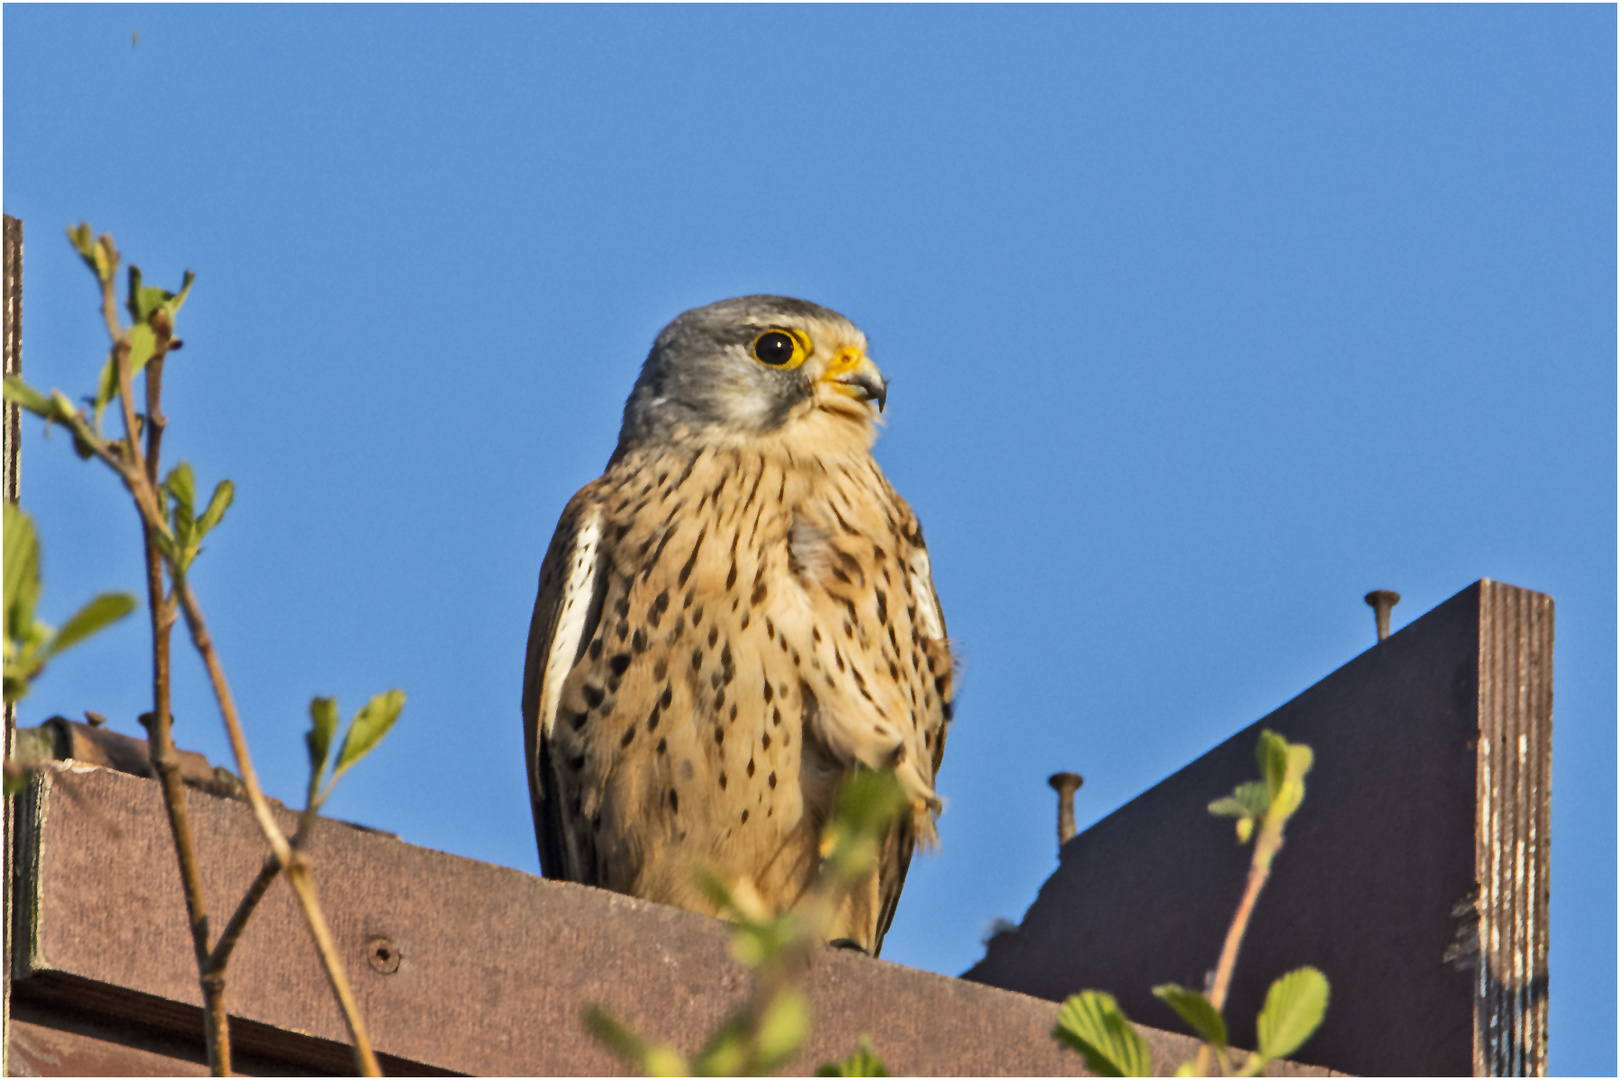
(1201, 322)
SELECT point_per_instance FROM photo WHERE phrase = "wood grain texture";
(493, 965)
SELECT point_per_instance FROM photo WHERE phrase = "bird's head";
(750, 366)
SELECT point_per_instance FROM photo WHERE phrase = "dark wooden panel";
(1377, 883)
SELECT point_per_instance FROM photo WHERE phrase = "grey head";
(747, 366)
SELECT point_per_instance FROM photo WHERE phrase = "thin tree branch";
(1266, 846)
(160, 743)
(296, 868)
(239, 918)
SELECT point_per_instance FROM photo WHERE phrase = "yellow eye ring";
(779, 348)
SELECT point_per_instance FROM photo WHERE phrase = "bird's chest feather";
(758, 635)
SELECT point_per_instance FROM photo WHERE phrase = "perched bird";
(731, 619)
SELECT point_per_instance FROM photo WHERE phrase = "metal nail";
(383, 955)
(1381, 601)
(1065, 784)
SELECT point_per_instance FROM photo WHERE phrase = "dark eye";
(775, 347)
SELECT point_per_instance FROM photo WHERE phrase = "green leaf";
(146, 299)
(1294, 1008)
(177, 300)
(652, 1060)
(1246, 800)
(863, 1062)
(1092, 1023)
(16, 781)
(98, 614)
(83, 242)
(183, 486)
(367, 728)
(142, 344)
(782, 1030)
(1196, 1009)
(224, 495)
(323, 715)
(726, 1052)
(1300, 759)
(21, 573)
(106, 388)
(871, 800)
(27, 397)
(1272, 753)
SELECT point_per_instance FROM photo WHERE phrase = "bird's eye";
(778, 348)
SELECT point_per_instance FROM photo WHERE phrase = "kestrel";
(735, 616)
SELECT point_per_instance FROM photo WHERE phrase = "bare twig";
(232, 933)
(142, 485)
(292, 862)
(139, 472)
(1266, 845)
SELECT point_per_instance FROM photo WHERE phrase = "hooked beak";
(852, 373)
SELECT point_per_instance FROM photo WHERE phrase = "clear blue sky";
(1201, 323)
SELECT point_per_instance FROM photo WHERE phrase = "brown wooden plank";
(493, 967)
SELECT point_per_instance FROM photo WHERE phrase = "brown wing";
(902, 839)
(566, 610)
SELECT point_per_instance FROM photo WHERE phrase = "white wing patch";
(930, 619)
(572, 613)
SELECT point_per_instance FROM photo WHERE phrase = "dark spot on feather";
(776, 716)
(576, 720)
(622, 630)
(619, 663)
(662, 746)
(722, 781)
(765, 742)
(577, 762)
(883, 607)
(697, 616)
(596, 649)
(593, 695)
(691, 560)
(770, 628)
(745, 817)
(769, 693)
(815, 633)
(719, 735)
(697, 658)
(652, 718)
(771, 780)
(714, 635)
(660, 669)
(659, 605)
(639, 641)
(674, 803)
(757, 595)
(731, 578)
(750, 767)
(719, 699)
(621, 607)
(629, 734)
(666, 697)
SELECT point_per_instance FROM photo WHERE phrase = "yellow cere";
(844, 361)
